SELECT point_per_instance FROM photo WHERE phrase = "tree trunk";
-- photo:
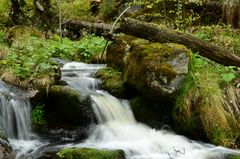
(231, 13)
(16, 14)
(156, 33)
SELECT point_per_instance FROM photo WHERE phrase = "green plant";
(222, 35)
(76, 50)
(38, 115)
(201, 105)
(1, 36)
(108, 9)
(172, 12)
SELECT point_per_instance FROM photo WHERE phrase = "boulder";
(6, 150)
(117, 50)
(70, 104)
(153, 114)
(112, 81)
(157, 70)
(90, 153)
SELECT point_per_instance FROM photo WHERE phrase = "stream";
(116, 128)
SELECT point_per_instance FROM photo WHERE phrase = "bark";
(17, 15)
(76, 25)
(157, 33)
(231, 13)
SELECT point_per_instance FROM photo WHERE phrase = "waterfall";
(118, 129)
(15, 112)
(15, 119)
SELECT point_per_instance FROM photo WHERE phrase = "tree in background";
(231, 13)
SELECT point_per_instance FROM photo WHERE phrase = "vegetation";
(208, 105)
(30, 55)
(222, 35)
(112, 81)
(38, 118)
(200, 108)
(89, 153)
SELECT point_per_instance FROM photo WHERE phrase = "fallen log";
(161, 34)
(76, 25)
(157, 33)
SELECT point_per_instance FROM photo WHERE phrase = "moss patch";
(89, 153)
(112, 81)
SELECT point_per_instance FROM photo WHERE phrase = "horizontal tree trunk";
(157, 33)
(76, 25)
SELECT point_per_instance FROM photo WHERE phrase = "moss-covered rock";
(117, 50)
(6, 150)
(112, 82)
(232, 156)
(157, 70)
(70, 105)
(90, 153)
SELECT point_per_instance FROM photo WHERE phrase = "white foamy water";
(15, 119)
(118, 129)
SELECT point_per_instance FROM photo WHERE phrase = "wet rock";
(90, 153)
(157, 70)
(70, 105)
(6, 150)
(112, 81)
(152, 114)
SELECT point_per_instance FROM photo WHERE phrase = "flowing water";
(15, 119)
(116, 128)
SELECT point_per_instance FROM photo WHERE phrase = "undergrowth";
(221, 35)
(30, 55)
(200, 107)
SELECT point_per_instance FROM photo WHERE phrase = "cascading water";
(15, 119)
(117, 128)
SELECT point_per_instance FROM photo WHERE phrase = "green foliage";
(38, 118)
(172, 12)
(221, 35)
(76, 50)
(28, 58)
(1, 36)
(200, 107)
(79, 9)
(108, 9)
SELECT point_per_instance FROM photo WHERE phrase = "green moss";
(89, 153)
(112, 81)
(157, 56)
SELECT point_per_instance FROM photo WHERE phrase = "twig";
(112, 29)
(179, 151)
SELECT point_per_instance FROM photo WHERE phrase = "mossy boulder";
(6, 150)
(112, 81)
(119, 48)
(70, 104)
(157, 70)
(90, 153)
